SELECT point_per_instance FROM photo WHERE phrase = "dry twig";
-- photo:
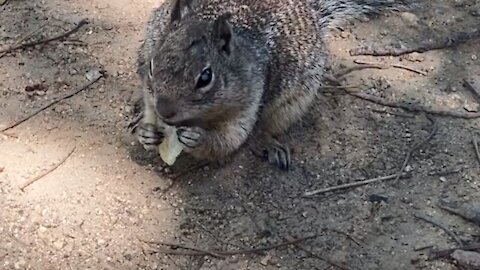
(414, 108)
(197, 250)
(385, 66)
(441, 226)
(454, 40)
(40, 176)
(16, 123)
(354, 184)
(416, 147)
(346, 71)
(435, 254)
(472, 89)
(44, 41)
(194, 251)
(22, 39)
(477, 151)
(322, 258)
(346, 235)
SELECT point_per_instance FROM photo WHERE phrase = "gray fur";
(268, 58)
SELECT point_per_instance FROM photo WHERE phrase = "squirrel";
(222, 71)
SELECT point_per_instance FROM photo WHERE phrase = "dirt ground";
(100, 208)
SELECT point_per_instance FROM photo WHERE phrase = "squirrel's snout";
(166, 108)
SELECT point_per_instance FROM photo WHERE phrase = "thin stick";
(201, 252)
(446, 252)
(40, 176)
(423, 248)
(34, 43)
(477, 152)
(340, 74)
(416, 147)
(456, 39)
(354, 184)
(322, 258)
(423, 73)
(415, 108)
(24, 38)
(50, 105)
(346, 235)
(173, 245)
(441, 226)
(472, 89)
(218, 238)
(4, 5)
(391, 65)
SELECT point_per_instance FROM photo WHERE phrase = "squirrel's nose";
(166, 108)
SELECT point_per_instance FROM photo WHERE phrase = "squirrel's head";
(201, 73)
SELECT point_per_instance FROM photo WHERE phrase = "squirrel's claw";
(148, 135)
(278, 155)
(191, 137)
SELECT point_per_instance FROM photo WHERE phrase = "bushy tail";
(334, 13)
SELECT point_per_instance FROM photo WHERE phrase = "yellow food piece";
(170, 148)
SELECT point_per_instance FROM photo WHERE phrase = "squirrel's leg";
(148, 134)
(277, 117)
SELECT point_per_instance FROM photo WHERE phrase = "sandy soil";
(99, 209)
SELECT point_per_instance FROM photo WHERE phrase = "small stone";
(471, 107)
(128, 109)
(20, 264)
(474, 57)
(107, 26)
(406, 200)
(264, 261)
(42, 229)
(93, 75)
(59, 244)
(443, 179)
(408, 168)
(101, 242)
(467, 259)
(413, 57)
(409, 18)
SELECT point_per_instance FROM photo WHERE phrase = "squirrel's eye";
(205, 78)
(150, 70)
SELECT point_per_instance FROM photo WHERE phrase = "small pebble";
(59, 244)
(264, 261)
(409, 18)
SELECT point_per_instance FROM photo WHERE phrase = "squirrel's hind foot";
(274, 152)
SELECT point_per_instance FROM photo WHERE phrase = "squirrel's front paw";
(149, 136)
(191, 137)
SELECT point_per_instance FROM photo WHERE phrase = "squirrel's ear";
(180, 9)
(223, 33)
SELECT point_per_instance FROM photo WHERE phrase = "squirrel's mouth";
(192, 122)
